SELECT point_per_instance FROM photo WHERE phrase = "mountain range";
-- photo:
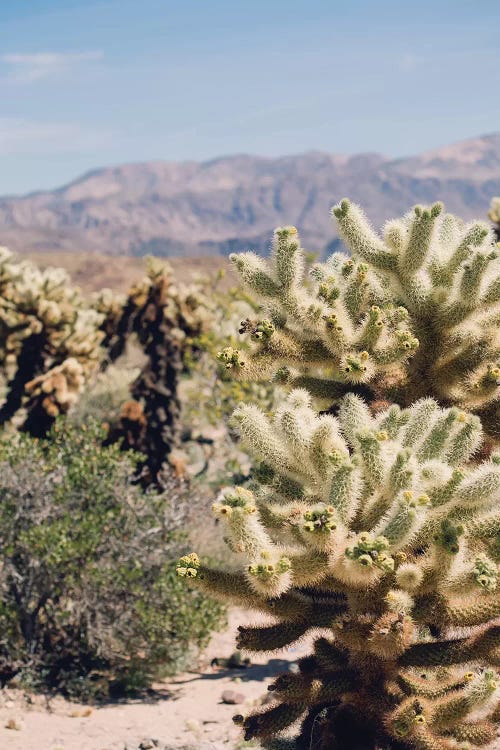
(232, 203)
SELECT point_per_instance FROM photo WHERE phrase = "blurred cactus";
(49, 342)
(167, 319)
(51, 394)
(494, 215)
(378, 530)
(412, 314)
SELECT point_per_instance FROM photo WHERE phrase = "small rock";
(193, 725)
(148, 744)
(80, 713)
(13, 724)
(232, 697)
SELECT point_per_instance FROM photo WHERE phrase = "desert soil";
(185, 711)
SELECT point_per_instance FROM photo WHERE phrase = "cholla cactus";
(447, 275)
(379, 531)
(329, 335)
(110, 306)
(167, 319)
(494, 215)
(412, 314)
(51, 394)
(47, 334)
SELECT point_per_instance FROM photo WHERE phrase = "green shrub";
(90, 604)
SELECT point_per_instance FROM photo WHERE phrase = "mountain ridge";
(234, 202)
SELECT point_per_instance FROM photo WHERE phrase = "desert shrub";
(105, 393)
(90, 604)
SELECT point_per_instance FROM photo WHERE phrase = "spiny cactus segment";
(381, 531)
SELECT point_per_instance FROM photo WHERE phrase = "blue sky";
(89, 83)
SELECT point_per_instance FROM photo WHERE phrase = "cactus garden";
(249, 375)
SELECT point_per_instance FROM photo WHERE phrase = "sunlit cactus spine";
(50, 342)
(412, 313)
(380, 532)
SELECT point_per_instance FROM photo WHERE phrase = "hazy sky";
(87, 83)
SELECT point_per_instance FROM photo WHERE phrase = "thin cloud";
(409, 63)
(29, 68)
(29, 137)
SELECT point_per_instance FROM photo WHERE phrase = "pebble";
(14, 724)
(232, 697)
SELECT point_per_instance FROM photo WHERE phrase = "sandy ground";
(186, 710)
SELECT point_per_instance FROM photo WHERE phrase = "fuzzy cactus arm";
(488, 526)
(268, 723)
(256, 274)
(453, 651)
(470, 613)
(270, 638)
(360, 237)
(423, 229)
(478, 733)
(297, 688)
(320, 388)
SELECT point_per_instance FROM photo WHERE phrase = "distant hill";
(192, 208)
